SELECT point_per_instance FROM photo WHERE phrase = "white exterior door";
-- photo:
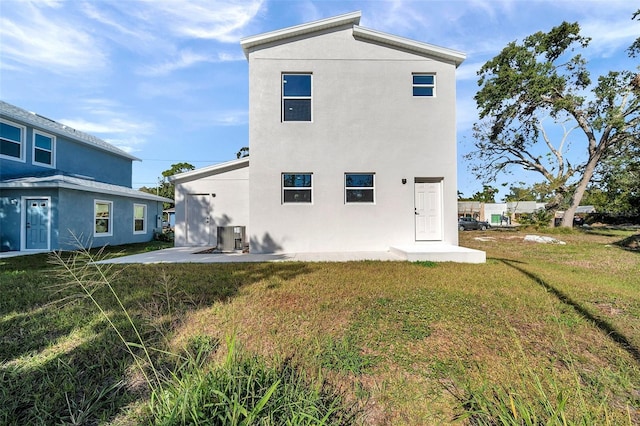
(37, 224)
(199, 211)
(428, 211)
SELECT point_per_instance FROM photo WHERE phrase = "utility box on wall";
(231, 237)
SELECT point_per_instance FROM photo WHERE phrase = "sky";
(167, 81)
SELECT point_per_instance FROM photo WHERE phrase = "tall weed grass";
(537, 398)
(243, 390)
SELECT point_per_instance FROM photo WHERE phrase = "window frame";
(144, 219)
(360, 188)
(431, 86)
(52, 151)
(285, 189)
(109, 219)
(21, 143)
(296, 97)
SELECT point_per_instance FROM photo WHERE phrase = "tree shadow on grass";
(631, 243)
(620, 339)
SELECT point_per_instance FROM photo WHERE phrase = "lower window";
(359, 187)
(103, 213)
(297, 188)
(139, 219)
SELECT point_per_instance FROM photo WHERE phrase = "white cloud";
(609, 38)
(203, 19)
(52, 42)
(107, 117)
(187, 59)
(129, 144)
(184, 59)
(231, 118)
(118, 23)
(468, 71)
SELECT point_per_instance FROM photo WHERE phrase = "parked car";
(466, 223)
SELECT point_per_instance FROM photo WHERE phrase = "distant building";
(507, 213)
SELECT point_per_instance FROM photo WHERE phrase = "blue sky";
(167, 80)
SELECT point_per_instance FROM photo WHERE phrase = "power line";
(184, 161)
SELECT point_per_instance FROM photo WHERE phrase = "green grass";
(548, 333)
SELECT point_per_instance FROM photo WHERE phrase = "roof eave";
(249, 43)
(426, 49)
(215, 168)
(77, 187)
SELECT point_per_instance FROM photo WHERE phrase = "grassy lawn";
(539, 330)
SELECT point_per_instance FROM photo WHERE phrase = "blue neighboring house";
(60, 187)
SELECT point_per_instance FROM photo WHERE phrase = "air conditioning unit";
(231, 238)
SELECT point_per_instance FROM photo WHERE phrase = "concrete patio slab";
(432, 252)
(199, 255)
(435, 252)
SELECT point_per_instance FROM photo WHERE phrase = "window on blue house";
(359, 187)
(12, 140)
(139, 219)
(103, 214)
(297, 188)
(43, 149)
(424, 85)
(296, 97)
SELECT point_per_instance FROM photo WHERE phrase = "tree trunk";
(569, 214)
(552, 206)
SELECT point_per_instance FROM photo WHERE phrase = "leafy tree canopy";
(543, 80)
(244, 152)
(487, 195)
(538, 192)
(165, 188)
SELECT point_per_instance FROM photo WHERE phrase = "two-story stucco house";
(352, 136)
(60, 187)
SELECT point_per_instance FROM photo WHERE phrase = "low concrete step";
(439, 252)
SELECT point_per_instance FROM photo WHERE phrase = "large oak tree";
(543, 81)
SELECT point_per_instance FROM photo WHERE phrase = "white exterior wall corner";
(229, 195)
(365, 119)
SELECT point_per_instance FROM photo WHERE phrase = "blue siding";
(72, 158)
(76, 211)
(76, 158)
(72, 213)
(9, 221)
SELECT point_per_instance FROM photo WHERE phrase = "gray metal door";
(200, 227)
(37, 224)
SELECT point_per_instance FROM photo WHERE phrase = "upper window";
(296, 97)
(297, 187)
(103, 213)
(139, 219)
(359, 187)
(43, 149)
(11, 140)
(424, 85)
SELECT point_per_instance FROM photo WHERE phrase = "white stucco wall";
(365, 119)
(228, 193)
